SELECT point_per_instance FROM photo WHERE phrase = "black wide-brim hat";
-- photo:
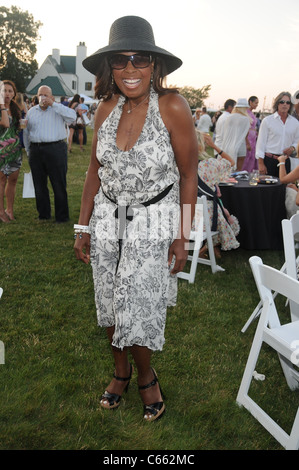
(131, 33)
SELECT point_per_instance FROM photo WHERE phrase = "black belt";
(125, 212)
(122, 211)
(42, 144)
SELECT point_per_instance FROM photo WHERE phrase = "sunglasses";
(139, 61)
(283, 102)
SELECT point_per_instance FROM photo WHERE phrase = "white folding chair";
(290, 232)
(197, 236)
(1, 292)
(282, 338)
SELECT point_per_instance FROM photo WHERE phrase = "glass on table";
(254, 177)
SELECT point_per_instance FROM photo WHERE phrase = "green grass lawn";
(58, 362)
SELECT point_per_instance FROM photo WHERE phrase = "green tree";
(18, 36)
(195, 96)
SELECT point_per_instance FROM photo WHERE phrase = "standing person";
(250, 162)
(75, 126)
(44, 140)
(234, 134)
(278, 134)
(228, 107)
(205, 122)
(10, 149)
(144, 160)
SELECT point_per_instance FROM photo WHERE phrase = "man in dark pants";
(45, 144)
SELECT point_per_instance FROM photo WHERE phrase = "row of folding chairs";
(280, 336)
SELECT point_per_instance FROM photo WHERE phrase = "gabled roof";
(67, 64)
(57, 86)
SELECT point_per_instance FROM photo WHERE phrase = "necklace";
(132, 109)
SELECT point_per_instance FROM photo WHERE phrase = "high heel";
(111, 401)
(155, 410)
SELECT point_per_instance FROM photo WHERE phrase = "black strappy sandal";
(110, 401)
(155, 410)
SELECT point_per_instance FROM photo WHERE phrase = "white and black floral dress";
(132, 280)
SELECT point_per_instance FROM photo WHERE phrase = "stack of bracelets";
(80, 229)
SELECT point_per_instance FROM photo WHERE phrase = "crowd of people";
(148, 155)
(36, 125)
(258, 144)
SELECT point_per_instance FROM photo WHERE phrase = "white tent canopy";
(87, 99)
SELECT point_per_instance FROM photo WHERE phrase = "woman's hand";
(179, 250)
(208, 140)
(282, 158)
(82, 248)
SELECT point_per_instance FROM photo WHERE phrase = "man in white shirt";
(228, 107)
(204, 122)
(278, 135)
(45, 144)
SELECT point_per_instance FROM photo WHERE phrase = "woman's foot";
(112, 395)
(10, 215)
(4, 217)
(152, 398)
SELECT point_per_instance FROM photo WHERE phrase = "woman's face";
(132, 81)
(8, 94)
(254, 104)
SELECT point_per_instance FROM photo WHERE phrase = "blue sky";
(240, 48)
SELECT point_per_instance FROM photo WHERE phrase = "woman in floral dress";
(212, 171)
(132, 228)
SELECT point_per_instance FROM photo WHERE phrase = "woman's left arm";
(283, 175)
(177, 117)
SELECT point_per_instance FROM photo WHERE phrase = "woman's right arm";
(4, 119)
(90, 189)
(209, 141)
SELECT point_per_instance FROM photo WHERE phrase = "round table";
(260, 210)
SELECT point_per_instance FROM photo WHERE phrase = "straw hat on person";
(131, 33)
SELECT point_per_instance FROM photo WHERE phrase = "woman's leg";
(70, 140)
(122, 367)
(10, 192)
(240, 163)
(80, 138)
(3, 180)
(142, 358)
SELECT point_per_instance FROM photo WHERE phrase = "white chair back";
(284, 339)
(197, 236)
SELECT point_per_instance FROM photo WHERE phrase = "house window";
(74, 85)
(88, 86)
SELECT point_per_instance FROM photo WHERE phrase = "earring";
(112, 80)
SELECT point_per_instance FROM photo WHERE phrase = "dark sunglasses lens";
(141, 61)
(118, 61)
(284, 102)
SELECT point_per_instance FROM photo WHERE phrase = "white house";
(64, 74)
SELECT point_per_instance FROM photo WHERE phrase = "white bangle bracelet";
(281, 163)
(80, 229)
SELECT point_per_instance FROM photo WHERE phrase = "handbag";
(85, 119)
(80, 121)
(28, 186)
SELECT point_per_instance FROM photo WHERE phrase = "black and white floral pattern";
(132, 280)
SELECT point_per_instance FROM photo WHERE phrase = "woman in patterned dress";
(212, 171)
(143, 170)
(11, 150)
